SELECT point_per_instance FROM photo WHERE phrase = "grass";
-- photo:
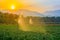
(11, 32)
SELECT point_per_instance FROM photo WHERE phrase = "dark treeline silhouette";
(7, 18)
(47, 20)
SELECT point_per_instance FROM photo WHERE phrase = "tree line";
(9, 18)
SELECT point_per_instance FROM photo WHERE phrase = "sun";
(12, 7)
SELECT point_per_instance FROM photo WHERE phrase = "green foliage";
(6, 18)
(9, 28)
(11, 32)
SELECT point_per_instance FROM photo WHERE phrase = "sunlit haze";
(12, 7)
(35, 5)
(29, 19)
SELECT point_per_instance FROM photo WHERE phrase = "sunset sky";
(35, 5)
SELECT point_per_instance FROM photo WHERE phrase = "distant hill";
(52, 13)
(29, 13)
(34, 13)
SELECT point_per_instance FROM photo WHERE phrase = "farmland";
(11, 32)
(39, 28)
